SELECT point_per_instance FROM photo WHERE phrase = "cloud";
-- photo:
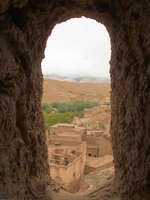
(78, 46)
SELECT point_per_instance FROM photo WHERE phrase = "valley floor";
(103, 191)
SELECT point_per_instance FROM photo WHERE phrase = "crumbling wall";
(69, 174)
(67, 165)
(24, 28)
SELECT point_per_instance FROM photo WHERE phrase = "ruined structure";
(67, 149)
(24, 29)
(98, 144)
(97, 118)
(66, 134)
(67, 165)
(98, 164)
(69, 146)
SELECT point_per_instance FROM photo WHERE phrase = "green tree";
(54, 118)
(47, 107)
(64, 111)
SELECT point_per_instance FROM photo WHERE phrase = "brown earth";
(54, 90)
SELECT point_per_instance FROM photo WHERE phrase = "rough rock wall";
(23, 152)
(130, 76)
(24, 28)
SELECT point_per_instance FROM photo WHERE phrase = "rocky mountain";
(77, 78)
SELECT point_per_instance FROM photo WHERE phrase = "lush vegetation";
(47, 108)
(64, 112)
(54, 118)
(75, 106)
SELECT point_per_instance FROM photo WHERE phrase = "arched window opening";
(77, 93)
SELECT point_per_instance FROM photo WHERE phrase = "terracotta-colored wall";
(68, 129)
(105, 146)
(91, 139)
(64, 140)
(98, 146)
(71, 173)
(93, 151)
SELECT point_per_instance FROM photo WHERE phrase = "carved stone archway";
(24, 28)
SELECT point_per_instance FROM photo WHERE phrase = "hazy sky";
(78, 46)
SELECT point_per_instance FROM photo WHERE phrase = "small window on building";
(89, 154)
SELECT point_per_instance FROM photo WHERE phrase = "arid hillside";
(97, 117)
(54, 90)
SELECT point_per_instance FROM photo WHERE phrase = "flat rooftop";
(67, 125)
(62, 124)
(53, 146)
(95, 131)
(72, 134)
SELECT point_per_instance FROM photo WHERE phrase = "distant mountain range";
(76, 78)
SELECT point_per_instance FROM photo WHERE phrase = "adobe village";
(80, 151)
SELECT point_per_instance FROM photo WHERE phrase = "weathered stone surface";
(24, 28)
